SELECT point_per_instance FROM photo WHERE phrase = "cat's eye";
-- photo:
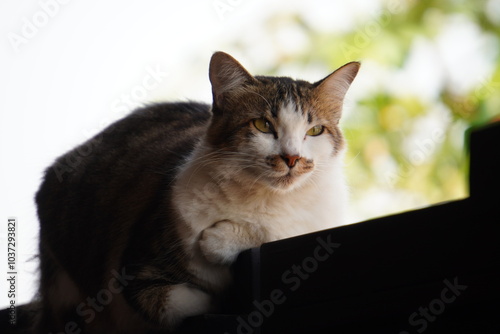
(263, 125)
(315, 130)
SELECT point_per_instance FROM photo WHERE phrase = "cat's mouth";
(281, 176)
(288, 181)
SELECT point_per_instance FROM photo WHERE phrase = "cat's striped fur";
(138, 232)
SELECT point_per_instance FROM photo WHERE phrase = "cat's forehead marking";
(291, 117)
(274, 110)
(309, 117)
(291, 127)
(288, 93)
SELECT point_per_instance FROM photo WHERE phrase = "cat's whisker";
(315, 183)
(206, 160)
(257, 179)
(268, 103)
(193, 160)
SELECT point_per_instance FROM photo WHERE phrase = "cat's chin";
(286, 183)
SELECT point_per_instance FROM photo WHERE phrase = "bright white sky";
(82, 64)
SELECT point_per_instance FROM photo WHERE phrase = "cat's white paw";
(184, 301)
(219, 243)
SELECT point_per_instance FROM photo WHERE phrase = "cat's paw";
(219, 242)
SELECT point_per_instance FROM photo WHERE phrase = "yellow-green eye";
(315, 130)
(263, 125)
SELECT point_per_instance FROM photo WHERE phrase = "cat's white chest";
(202, 202)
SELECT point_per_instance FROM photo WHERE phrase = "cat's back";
(93, 196)
(160, 130)
(157, 136)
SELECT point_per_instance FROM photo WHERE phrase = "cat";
(139, 225)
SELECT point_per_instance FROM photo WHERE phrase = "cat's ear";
(227, 76)
(332, 89)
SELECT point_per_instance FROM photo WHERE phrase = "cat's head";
(275, 130)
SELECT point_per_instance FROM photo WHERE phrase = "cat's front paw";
(219, 244)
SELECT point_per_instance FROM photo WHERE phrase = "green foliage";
(401, 143)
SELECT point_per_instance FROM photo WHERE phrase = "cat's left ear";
(227, 76)
(332, 89)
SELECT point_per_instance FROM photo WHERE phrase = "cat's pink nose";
(290, 160)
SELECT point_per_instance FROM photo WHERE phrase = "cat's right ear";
(227, 76)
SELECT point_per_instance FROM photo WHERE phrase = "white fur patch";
(292, 130)
(185, 301)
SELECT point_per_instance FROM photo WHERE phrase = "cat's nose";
(290, 160)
